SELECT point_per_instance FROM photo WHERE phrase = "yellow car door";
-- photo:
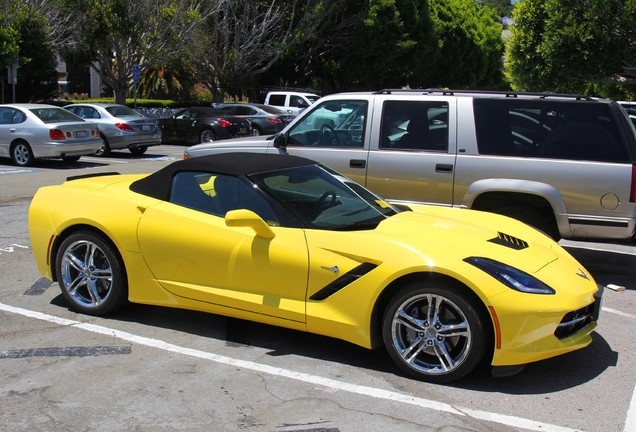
(195, 255)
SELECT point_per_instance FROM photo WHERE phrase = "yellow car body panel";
(178, 257)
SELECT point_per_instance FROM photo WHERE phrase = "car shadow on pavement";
(608, 267)
(552, 375)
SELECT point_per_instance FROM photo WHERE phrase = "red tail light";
(124, 127)
(224, 123)
(274, 120)
(56, 134)
(632, 194)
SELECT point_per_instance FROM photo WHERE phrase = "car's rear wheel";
(433, 333)
(21, 154)
(91, 274)
(206, 135)
(138, 151)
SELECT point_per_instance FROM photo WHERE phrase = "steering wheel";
(328, 132)
(324, 202)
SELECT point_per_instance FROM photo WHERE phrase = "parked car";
(120, 127)
(285, 241)
(564, 164)
(290, 102)
(202, 124)
(34, 131)
(265, 119)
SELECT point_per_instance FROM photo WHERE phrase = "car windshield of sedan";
(55, 115)
(323, 200)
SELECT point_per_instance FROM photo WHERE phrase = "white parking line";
(515, 422)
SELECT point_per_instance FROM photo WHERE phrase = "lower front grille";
(574, 321)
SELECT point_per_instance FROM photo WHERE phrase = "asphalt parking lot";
(150, 368)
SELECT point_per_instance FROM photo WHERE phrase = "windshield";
(323, 200)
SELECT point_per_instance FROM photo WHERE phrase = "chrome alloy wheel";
(431, 334)
(21, 154)
(86, 273)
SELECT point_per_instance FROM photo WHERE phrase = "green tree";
(25, 36)
(9, 34)
(569, 45)
(470, 45)
(423, 43)
(115, 35)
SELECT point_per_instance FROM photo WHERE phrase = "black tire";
(21, 154)
(256, 131)
(530, 217)
(91, 274)
(104, 150)
(70, 159)
(437, 345)
(138, 151)
(206, 135)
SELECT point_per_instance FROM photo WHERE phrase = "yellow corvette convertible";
(285, 241)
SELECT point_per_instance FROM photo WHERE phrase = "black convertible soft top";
(157, 184)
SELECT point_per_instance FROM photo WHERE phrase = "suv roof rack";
(511, 94)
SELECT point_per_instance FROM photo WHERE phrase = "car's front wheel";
(21, 154)
(433, 333)
(91, 274)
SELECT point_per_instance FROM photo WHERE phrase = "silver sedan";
(121, 127)
(33, 131)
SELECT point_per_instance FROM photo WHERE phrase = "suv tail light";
(125, 127)
(274, 120)
(56, 134)
(632, 193)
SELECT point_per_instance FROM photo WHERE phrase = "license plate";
(146, 128)
(81, 134)
(242, 130)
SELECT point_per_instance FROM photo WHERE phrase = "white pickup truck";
(290, 102)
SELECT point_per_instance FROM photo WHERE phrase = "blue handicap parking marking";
(5, 170)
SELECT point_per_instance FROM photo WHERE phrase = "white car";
(120, 127)
(33, 131)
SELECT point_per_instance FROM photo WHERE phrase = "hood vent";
(509, 241)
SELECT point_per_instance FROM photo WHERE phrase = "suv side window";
(414, 125)
(278, 100)
(331, 124)
(542, 129)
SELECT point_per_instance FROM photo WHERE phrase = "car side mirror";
(280, 141)
(248, 219)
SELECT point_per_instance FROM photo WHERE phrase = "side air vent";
(509, 241)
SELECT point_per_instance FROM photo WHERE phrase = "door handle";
(357, 163)
(444, 168)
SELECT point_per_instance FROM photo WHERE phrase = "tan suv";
(562, 163)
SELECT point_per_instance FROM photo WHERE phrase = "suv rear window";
(548, 129)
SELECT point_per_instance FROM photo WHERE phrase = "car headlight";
(511, 277)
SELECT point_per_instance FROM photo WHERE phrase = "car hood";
(467, 233)
(258, 143)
